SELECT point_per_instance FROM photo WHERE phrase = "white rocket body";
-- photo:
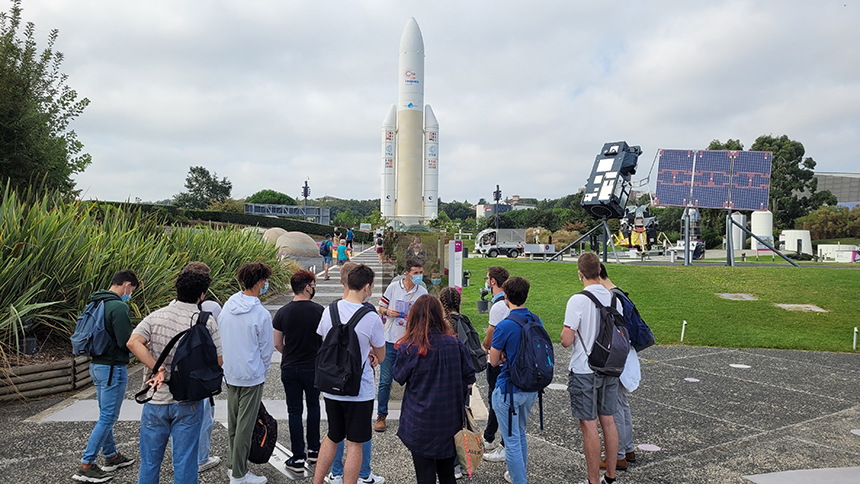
(431, 164)
(389, 147)
(412, 172)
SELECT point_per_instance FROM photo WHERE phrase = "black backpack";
(194, 373)
(324, 248)
(340, 364)
(264, 437)
(641, 336)
(532, 369)
(612, 344)
(467, 334)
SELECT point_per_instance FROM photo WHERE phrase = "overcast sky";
(270, 93)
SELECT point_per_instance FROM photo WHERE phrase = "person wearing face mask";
(416, 251)
(110, 376)
(248, 344)
(297, 340)
(394, 306)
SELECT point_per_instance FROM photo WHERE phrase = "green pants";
(243, 404)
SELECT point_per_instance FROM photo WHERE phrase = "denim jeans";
(337, 465)
(110, 401)
(207, 420)
(385, 377)
(179, 422)
(298, 381)
(516, 447)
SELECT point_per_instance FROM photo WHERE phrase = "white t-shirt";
(369, 331)
(499, 310)
(212, 307)
(395, 296)
(581, 314)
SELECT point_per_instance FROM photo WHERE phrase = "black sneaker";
(313, 455)
(119, 460)
(296, 465)
(93, 474)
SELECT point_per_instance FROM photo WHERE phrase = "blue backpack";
(641, 336)
(532, 369)
(90, 337)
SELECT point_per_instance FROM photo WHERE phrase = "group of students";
(411, 335)
(595, 398)
(242, 335)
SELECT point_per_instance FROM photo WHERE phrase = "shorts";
(592, 395)
(327, 259)
(379, 250)
(341, 262)
(349, 420)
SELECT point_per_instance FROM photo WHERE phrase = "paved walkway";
(716, 415)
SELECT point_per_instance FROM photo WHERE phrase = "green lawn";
(668, 295)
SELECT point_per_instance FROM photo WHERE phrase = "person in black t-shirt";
(296, 338)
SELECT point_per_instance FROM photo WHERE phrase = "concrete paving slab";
(812, 476)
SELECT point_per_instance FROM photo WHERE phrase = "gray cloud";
(268, 93)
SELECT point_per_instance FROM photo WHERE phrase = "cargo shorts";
(592, 395)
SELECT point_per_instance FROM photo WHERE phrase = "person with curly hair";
(163, 417)
(248, 346)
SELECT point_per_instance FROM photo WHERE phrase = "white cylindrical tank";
(389, 149)
(762, 225)
(739, 237)
(793, 237)
(431, 164)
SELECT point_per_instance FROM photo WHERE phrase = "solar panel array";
(737, 180)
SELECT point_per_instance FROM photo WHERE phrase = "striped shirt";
(160, 327)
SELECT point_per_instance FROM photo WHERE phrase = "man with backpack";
(593, 395)
(496, 277)
(164, 416)
(641, 337)
(110, 376)
(248, 343)
(349, 415)
(325, 252)
(512, 400)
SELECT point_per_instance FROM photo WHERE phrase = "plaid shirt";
(435, 395)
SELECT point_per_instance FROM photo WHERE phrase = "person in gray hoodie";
(247, 342)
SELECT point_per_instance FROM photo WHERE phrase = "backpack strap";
(596, 302)
(141, 397)
(202, 318)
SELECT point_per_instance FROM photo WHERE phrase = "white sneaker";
(458, 472)
(497, 455)
(211, 462)
(508, 477)
(372, 479)
(251, 478)
(333, 479)
(490, 445)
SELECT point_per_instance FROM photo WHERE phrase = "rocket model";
(410, 141)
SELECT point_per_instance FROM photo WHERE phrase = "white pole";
(855, 337)
(684, 327)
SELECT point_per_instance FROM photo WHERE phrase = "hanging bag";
(469, 443)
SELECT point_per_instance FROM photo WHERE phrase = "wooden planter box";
(23, 382)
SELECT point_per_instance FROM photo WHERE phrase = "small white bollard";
(684, 327)
(855, 337)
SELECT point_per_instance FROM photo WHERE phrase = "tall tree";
(271, 197)
(36, 108)
(729, 145)
(203, 188)
(793, 186)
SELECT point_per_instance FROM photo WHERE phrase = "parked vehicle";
(493, 243)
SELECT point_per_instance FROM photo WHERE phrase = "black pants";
(492, 423)
(426, 469)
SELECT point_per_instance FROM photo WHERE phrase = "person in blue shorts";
(327, 256)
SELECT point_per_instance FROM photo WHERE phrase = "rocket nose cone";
(430, 118)
(411, 41)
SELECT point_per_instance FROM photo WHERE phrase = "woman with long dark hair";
(436, 369)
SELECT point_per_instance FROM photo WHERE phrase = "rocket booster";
(410, 143)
